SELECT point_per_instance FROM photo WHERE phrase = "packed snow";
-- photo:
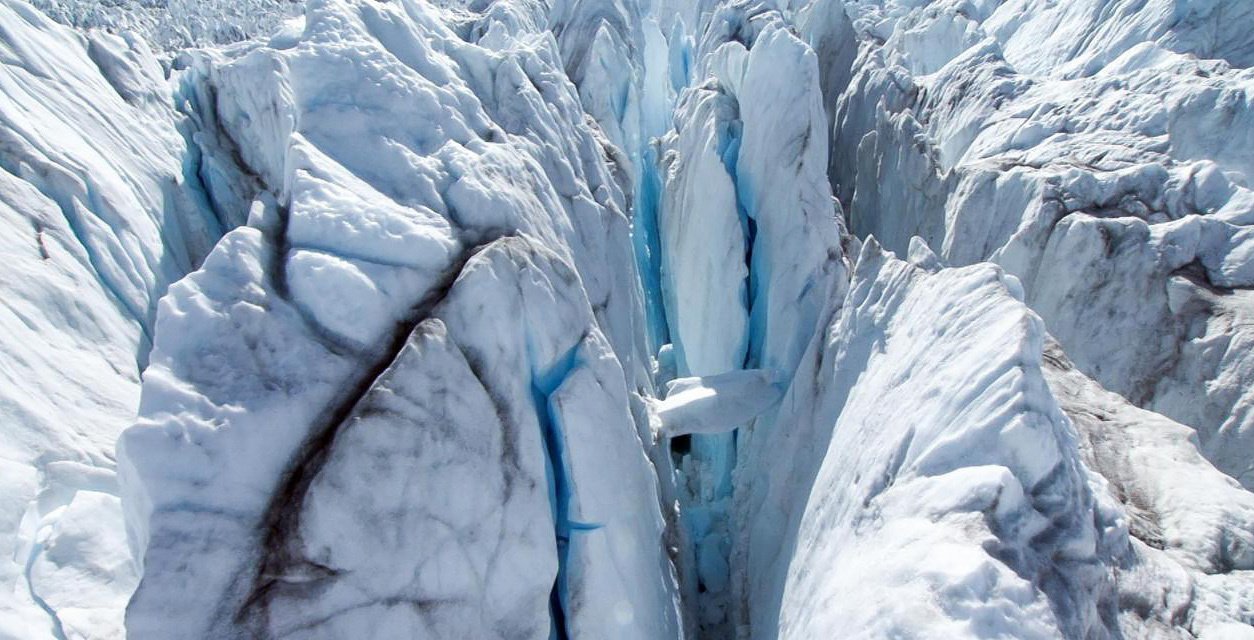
(645, 319)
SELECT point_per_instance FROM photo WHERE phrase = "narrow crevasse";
(750, 256)
(704, 279)
(733, 298)
(557, 470)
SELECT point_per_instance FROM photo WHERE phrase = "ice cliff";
(627, 319)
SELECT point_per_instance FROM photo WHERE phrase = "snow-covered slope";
(102, 209)
(586, 319)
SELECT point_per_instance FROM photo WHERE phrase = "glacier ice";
(1102, 175)
(489, 222)
(627, 319)
(173, 24)
(993, 526)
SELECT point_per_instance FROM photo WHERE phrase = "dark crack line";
(58, 630)
(279, 526)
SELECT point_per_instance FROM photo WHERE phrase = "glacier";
(646, 319)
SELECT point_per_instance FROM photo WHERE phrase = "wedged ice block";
(719, 403)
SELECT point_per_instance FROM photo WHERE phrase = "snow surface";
(585, 319)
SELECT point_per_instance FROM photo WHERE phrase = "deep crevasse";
(751, 254)
(542, 321)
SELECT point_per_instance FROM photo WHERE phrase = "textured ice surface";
(102, 209)
(1085, 148)
(486, 254)
(969, 473)
(530, 319)
(173, 24)
(1192, 527)
(1009, 498)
